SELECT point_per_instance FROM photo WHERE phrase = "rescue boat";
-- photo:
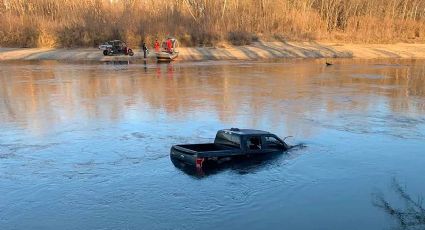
(168, 50)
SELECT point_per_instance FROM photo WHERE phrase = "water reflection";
(127, 62)
(280, 93)
(412, 216)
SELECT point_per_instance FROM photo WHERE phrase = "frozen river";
(86, 145)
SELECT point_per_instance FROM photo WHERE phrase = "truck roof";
(245, 131)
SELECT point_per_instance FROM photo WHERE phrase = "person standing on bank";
(145, 50)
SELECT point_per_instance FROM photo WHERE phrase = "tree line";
(86, 23)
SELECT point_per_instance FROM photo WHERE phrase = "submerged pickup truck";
(229, 143)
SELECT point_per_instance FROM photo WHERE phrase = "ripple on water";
(369, 76)
(12, 150)
(403, 127)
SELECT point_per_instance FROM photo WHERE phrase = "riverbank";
(258, 50)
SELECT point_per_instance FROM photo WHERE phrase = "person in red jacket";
(156, 46)
(169, 46)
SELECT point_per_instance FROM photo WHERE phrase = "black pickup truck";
(229, 143)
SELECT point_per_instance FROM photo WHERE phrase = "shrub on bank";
(240, 38)
(71, 23)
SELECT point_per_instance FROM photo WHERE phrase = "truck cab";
(229, 143)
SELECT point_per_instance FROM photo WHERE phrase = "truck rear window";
(228, 139)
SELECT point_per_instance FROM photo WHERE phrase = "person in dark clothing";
(254, 143)
(145, 50)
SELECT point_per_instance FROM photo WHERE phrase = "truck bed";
(189, 153)
(205, 147)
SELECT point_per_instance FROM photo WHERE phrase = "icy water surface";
(86, 146)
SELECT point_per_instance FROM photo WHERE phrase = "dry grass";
(75, 23)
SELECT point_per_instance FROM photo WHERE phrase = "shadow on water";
(239, 165)
(411, 216)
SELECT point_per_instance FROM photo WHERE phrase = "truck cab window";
(254, 143)
(227, 139)
(272, 142)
